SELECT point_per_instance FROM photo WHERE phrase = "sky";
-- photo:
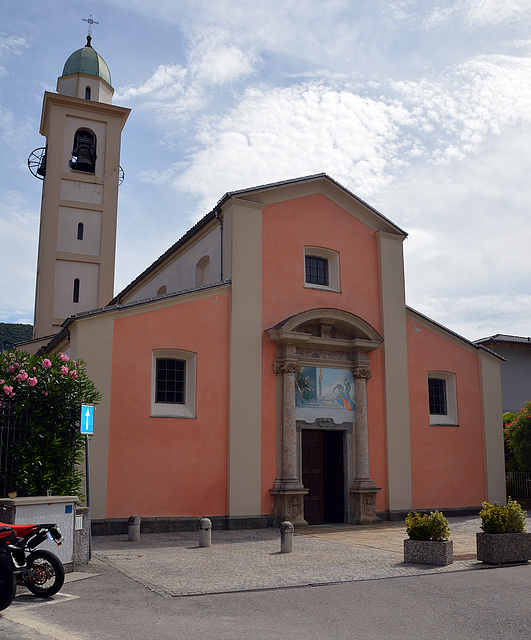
(421, 108)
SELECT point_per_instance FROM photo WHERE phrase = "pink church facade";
(266, 367)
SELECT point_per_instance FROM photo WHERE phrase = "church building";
(266, 366)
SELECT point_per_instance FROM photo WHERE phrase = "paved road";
(137, 591)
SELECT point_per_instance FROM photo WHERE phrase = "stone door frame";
(327, 338)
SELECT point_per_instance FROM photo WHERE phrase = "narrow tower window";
(87, 93)
(75, 297)
(80, 231)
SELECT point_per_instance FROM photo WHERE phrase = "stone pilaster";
(363, 491)
(288, 490)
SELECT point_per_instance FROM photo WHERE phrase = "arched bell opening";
(84, 151)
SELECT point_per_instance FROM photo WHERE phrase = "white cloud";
(469, 237)
(496, 13)
(18, 239)
(285, 132)
(13, 44)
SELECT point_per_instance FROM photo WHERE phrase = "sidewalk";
(172, 564)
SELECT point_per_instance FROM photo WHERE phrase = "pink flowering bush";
(517, 438)
(46, 394)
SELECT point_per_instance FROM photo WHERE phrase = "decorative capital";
(363, 373)
(287, 367)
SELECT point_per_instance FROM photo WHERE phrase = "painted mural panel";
(322, 392)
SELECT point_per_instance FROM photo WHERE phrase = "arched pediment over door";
(333, 338)
(325, 330)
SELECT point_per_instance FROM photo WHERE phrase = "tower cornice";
(81, 106)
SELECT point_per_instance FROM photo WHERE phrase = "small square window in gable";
(321, 269)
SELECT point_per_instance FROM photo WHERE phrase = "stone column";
(288, 490)
(363, 491)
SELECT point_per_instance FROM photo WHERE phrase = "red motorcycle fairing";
(21, 530)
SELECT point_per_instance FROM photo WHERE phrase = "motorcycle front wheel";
(8, 585)
(48, 573)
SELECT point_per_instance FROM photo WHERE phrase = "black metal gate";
(14, 431)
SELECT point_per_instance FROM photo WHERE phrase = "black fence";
(14, 432)
(519, 484)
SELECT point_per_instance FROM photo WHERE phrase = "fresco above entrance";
(322, 392)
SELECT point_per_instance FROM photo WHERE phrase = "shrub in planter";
(504, 538)
(428, 539)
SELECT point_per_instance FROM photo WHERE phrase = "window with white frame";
(173, 384)
(321, 269)
(442, 398)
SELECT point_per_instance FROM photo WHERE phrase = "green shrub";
(46, 393)
(502, 519)
(432, 526)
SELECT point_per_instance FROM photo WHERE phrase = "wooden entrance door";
(322, 474)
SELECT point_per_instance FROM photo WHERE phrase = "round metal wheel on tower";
(37, 162)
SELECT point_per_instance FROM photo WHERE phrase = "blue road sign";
(87, 419)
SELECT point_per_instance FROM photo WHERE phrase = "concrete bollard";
(286, 537)
(205, 532)
(133, 528)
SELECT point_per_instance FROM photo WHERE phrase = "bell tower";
(80, 169)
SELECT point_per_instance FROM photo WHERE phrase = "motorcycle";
(8, 585)
(41, 571)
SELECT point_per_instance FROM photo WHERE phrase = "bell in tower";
(84, 152)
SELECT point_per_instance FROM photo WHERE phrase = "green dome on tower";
(87, 61)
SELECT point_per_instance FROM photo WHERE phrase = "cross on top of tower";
(90, 23)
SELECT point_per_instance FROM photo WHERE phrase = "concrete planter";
(435, 552)
(501, 548)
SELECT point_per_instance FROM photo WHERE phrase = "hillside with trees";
(11, 333)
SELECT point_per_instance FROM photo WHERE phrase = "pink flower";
(46, 364)
(64, 357)
(21, 376)
(11, 368)
(32, 382)
(64, 370)
(8, 390)
(44, 393)
(73, 373)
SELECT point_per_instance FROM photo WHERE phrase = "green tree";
(517, 436)
(49, 392)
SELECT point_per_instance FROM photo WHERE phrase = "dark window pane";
(75, 295)
(170, 381)
(316, 270)
(437, 395)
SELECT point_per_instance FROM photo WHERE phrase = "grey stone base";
(82, 537)
(434, 552)
(504, 548)
(119, 526)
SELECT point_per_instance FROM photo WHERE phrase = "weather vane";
(90, 23)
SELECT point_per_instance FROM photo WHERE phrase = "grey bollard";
(205, 532)
(286, 537)
(133, 528)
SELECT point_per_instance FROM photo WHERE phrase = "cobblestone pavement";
(172, 564)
